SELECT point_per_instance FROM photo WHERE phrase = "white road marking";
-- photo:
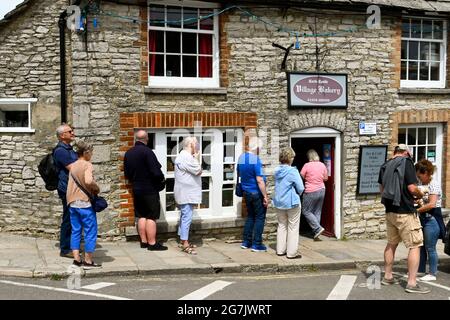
(206, 291)
(342, 288)
(97, 286)
(427, 282)
(98, 295)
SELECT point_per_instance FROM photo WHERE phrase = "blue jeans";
(430, 238)
(187, 211)
(256, 216)
(83, 219)
(66, 229)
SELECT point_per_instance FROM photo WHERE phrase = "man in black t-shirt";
(398, 186)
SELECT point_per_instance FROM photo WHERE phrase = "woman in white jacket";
(188, 188)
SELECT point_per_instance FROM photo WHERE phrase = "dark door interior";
(321, 145)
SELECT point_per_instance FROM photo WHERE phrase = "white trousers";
(288, 231)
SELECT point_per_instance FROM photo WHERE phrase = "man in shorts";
(398, 186)
(143, 170)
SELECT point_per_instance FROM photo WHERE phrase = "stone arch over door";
(303, 119)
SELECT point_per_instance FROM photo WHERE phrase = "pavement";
(39, 258)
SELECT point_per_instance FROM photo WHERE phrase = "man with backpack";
(64, 156)
(398, 186)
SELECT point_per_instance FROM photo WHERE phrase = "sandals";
(191, 245)
(189, 250)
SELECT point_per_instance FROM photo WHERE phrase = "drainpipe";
(62, 63)
(62, 60)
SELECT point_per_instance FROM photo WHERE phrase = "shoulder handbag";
(239, 192)
(98, 203)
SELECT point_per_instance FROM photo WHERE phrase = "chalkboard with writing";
(371, 158)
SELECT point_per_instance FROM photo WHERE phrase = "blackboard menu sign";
(371, 158)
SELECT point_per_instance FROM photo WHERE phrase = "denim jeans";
(256, 216)
(428, 250)
(187, 210)
(66, 228)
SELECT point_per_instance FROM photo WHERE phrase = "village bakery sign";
(312, 90)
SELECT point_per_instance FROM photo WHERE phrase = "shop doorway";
(328, 148)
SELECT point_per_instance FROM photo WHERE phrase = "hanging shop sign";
(316, 90)
(371, 158)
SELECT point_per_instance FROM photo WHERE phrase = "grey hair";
(187, 141)
(312, 155)
(82, 146)
(287, 155)
(60, 130)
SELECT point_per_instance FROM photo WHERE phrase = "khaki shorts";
(404, 227)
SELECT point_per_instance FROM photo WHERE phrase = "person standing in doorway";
(314, 173)
(253, 180)
(398, 186)
(188, 188)
(288, 188)
(430, 216)
(143, 170)
(64, 157)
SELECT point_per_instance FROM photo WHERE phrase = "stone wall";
(29, 67)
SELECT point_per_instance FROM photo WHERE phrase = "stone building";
(217, 70)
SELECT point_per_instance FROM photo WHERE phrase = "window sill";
(423, 91)
(17, 130)
(209, 91)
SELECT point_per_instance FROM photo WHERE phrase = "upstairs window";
(15, 114)
(423, 53)
(183, 45)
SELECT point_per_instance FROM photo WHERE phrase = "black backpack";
(48, 171)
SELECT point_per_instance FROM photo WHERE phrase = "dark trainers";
(156, 247)
(78, 263)
(92, 265)
(417, 289)
(245, 245)
(316, 236)
(388, 282)
(144, 245)
(259, 248)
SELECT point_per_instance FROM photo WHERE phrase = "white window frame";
(443, 58)
(188, 82)
(439, 144)
(215, 210)
(5, 102)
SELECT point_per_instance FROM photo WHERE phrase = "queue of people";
(410, 194)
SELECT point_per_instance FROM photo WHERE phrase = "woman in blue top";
(288, 188)
(253, 184)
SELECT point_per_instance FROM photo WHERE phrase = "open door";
(325, 147)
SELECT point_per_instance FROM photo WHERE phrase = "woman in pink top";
(314, 173)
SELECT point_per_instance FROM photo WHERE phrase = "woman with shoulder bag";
(82, 214)
(430, 215)
(288, 188)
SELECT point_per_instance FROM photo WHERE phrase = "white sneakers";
(428, 277)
